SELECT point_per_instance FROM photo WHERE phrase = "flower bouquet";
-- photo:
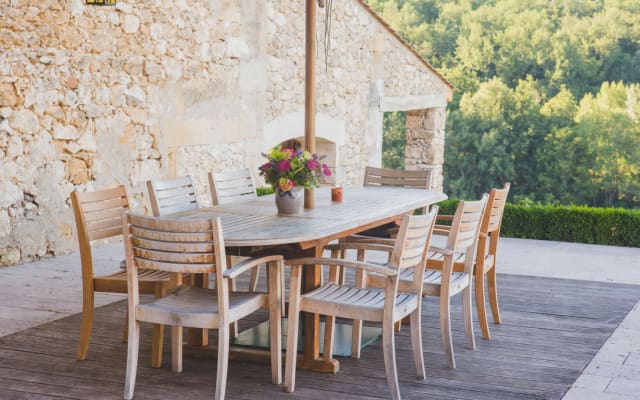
(288, 171)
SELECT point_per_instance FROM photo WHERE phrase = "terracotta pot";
(290, 202)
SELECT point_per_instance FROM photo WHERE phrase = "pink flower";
(264, 166)
(325, 170)
(285, 184)
(291, 152)
(283, 165)
(311, 164)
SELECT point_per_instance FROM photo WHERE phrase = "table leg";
(311, 279)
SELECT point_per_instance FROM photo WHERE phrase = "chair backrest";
(492, 219)
(177, 246)
(232, 187)
(466, 225)
(392, 177)
(172, 195)
(412, 244)
(98, 216)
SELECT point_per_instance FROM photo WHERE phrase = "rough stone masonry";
(91, 97)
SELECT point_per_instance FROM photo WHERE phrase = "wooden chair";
(486, 256)
(385, 305)
(440, 280)
(195, 247)
(373, 176)
(234, 187)
(97, 216)
(172, 195)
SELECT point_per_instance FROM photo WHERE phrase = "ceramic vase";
(291, 201)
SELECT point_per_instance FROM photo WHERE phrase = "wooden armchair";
(98, 216)
(234, 187)
(461, 246)
(386, 305)
(195, 247)
(172, 195)
(486, 256)
(373, 176)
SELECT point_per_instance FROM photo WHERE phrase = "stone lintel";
(407, 103)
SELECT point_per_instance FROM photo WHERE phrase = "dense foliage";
(547, 95)
(606, 226)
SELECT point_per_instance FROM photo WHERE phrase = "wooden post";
(310, 90)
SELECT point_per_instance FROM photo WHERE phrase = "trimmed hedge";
(607, 226)
(263, 191)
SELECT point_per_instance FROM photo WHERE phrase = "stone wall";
(95, 96)
(425, 143)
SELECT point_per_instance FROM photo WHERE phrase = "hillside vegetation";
(547, 95)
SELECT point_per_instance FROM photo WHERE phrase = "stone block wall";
(91, 97)
(425, 143)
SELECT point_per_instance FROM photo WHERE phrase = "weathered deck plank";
(551, 329)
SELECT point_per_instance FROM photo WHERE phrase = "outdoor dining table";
(257, 224)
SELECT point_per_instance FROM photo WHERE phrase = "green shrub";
(606, 226)
(265, 190)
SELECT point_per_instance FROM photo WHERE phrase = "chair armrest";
(441, 230)
(372, 246)
(440, 250)
(362, 239)
(376, 268)
(444, 218)
(249, 263)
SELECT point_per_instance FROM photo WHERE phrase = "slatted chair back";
(391, 177)
(409, 249)
(173, 246)
(465, 227)
(98, 215)
(492, 219)
(172, 195)
(412, 244)
(232, 187)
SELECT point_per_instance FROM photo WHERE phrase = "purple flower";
(264, 166)
(311, 164)
(283, 165)
(325, 170)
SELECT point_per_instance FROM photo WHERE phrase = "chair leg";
(329, 327)
(157, 337)
(467, 315)
(125, 330)
(445, 331)
(253, 279)
(493, 295)
(87, 324)
(356, 327)
(389, 350)
(416, 342)
(283, 300)
(233, 328)
(292, 331)
(480, 304)
(274, 275)
(176, 348)
(223, 361)
(132, 359)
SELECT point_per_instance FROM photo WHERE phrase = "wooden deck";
(552, 328)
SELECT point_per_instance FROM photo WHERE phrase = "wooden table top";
(257, 222)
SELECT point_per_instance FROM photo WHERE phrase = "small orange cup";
(336, 194)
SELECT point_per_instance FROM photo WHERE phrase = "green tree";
(612, 134)
(394, 140)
